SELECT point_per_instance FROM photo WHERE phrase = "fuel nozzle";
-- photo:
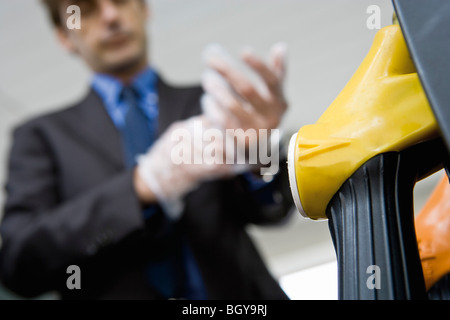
(382, 108)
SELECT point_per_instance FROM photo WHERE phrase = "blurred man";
(94, 185)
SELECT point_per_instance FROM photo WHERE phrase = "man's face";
(112, 38)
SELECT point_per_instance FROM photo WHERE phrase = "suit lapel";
(176, 103)
(95, 127)
(98, 130)
(168, 112)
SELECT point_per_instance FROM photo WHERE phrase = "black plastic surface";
(426, 27)
(371, 220)
(441, 290)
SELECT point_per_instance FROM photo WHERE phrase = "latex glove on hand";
(180, 160)
(246, 95)
(231, 101)
(247, 98)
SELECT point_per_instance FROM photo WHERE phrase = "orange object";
(433, 234)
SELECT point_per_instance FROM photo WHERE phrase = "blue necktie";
(165, 275)
(137, 133)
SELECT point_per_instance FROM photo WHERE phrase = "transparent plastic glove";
(247, 98)
(247, 95)
(188, 153)
(248, 149)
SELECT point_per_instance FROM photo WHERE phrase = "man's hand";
(161, 176)
(231, 101)
(237, 101)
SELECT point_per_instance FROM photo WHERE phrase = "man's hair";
(53, 11)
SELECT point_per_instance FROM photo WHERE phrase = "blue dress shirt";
(109, 89)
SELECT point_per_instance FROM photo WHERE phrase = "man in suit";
(77, 196)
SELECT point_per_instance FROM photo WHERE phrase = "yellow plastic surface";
(382, 108)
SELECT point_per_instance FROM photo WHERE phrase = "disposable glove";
(242, 96)
(182, 158)
(246, 95)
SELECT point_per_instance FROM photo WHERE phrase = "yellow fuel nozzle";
(382, 108)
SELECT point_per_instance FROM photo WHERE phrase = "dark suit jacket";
(71, 201)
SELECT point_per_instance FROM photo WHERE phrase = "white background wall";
(327, 40)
